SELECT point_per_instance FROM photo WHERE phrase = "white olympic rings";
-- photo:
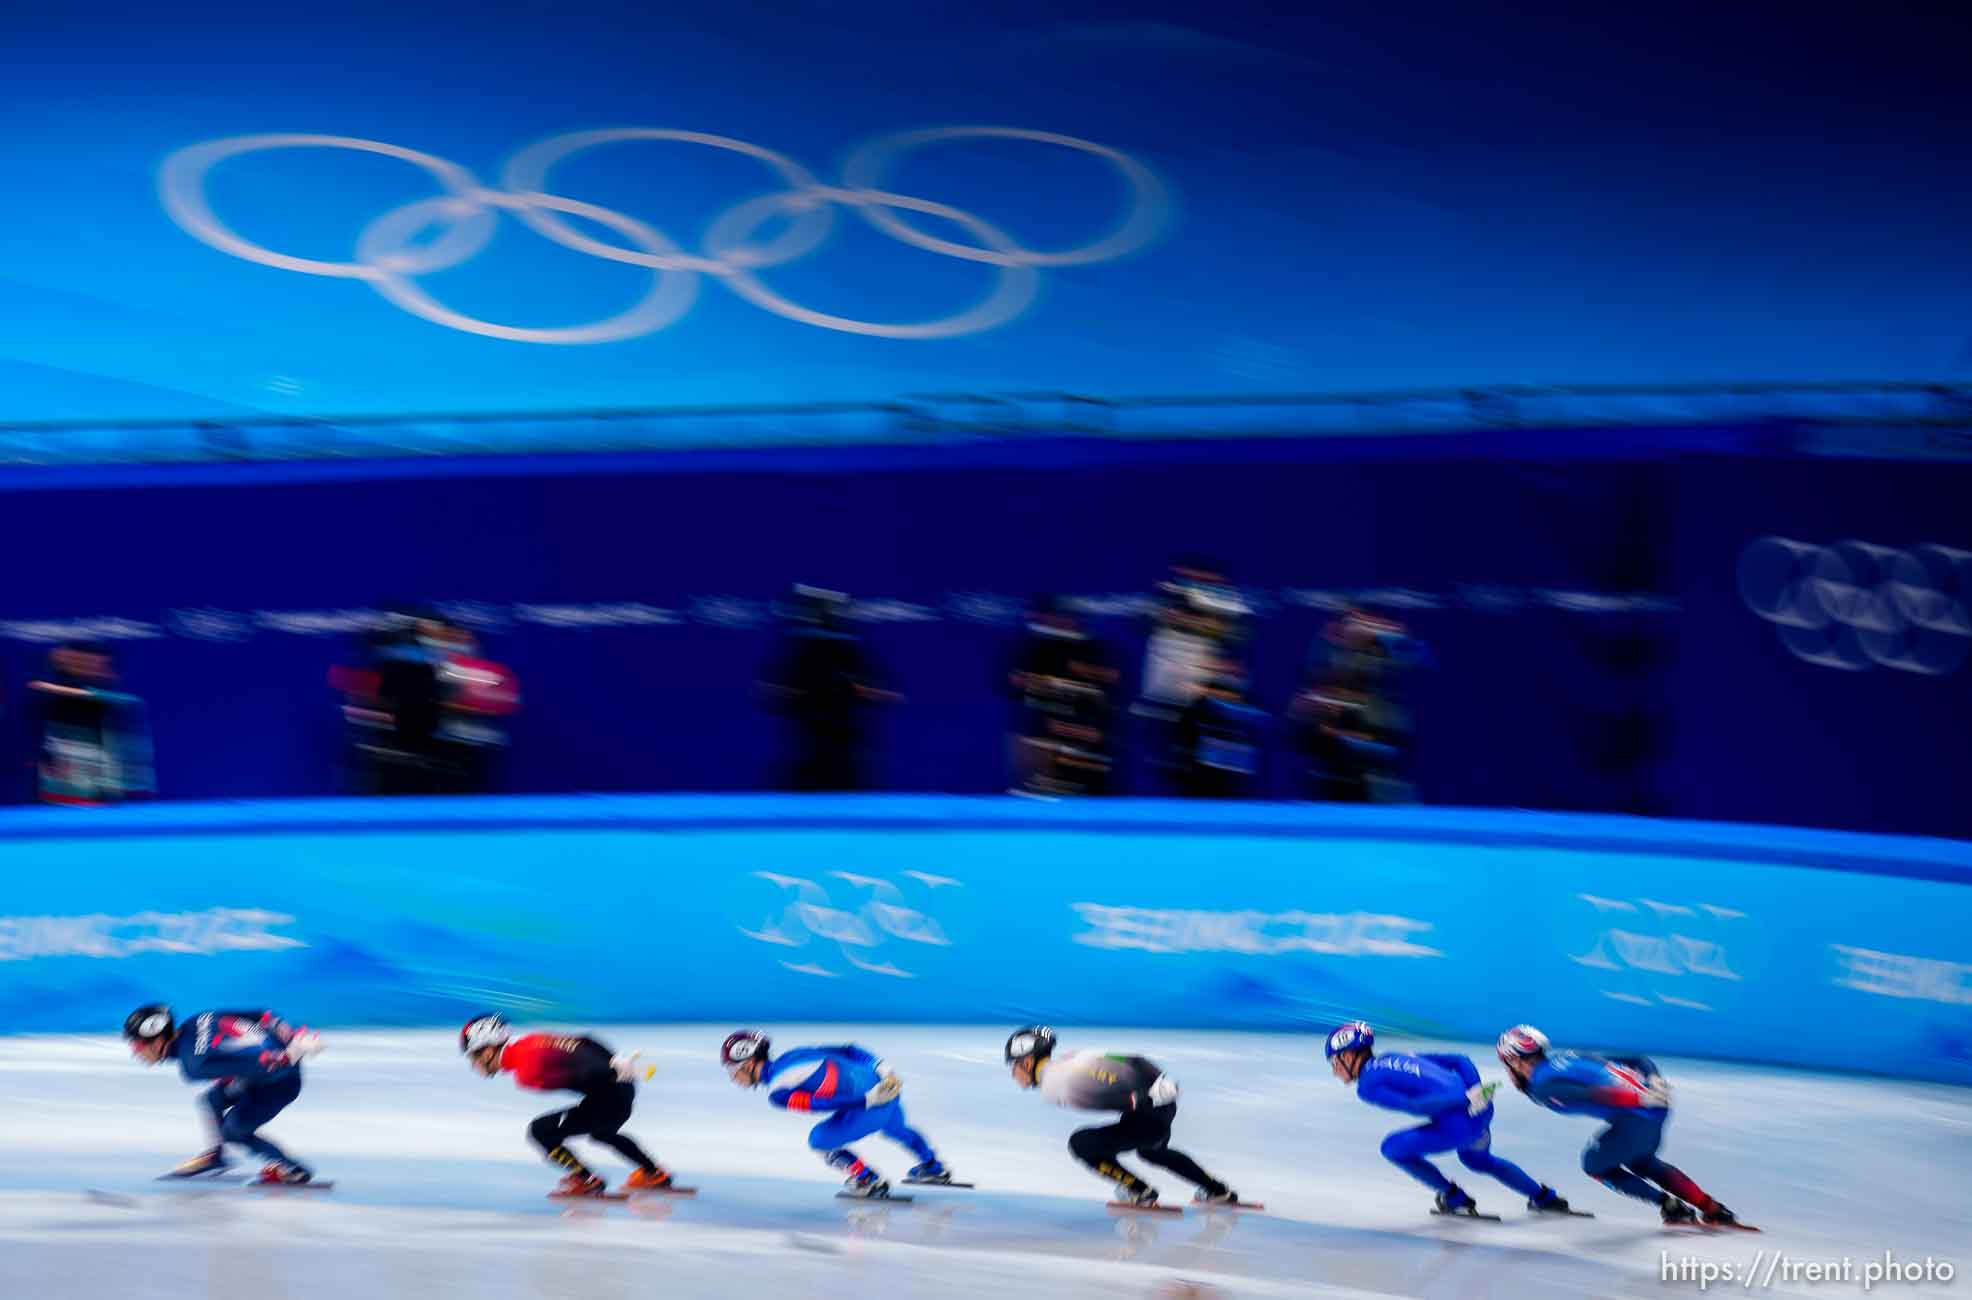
(1854, 605)
(388, 260)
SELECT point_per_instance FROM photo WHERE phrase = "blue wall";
(1593, 645)
(1806, 948)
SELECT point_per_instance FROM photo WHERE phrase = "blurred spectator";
(1063, 681)
(1352, 716)
(1200, 623)
(475, 697)
(823, 681)
(391, 705)
(1220, 738)
(426, 714)
(92, 743)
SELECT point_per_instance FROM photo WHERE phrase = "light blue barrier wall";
(1808, 948)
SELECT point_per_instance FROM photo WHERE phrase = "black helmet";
(1036, 1041)
(148, 1023)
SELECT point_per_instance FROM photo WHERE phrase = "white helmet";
(484, 1031)
(1522, 1043)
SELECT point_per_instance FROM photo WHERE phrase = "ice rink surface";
(439, 1194)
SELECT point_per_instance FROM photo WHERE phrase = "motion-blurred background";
(1517, 406)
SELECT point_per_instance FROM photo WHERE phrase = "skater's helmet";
(148, 1023)
(1522, 1043)
(1347, 1038)
(741, 1046)
(484, 1031)
(1035, 1041)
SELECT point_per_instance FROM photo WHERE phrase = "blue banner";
(773, 203)
(1805, 948)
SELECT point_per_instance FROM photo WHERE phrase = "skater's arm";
(292, 1044)
(1562, 1092)
(224, 1045)
(1656, 1089)
(1413, 1086)
(1633, 1083)
(835, 1086)
(590, 1066)
(1145, 1084)
(1462, 1066)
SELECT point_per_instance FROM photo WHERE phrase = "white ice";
(439, 1194)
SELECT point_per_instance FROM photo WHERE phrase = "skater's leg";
(255, 1108)
(897, 1130)
(550, 1133)
(833, 1135)
(626, 1146)
(1673, 1180)
(611, 1111)
(1406, 1149)
(212, 1111)
(1155, 1147)
(1615, 1147)
(1098, 1148)
(1479, 1158)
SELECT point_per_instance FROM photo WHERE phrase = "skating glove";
(628, 1070)
(305, 1043)
(884, 1092)
(1479, 1096)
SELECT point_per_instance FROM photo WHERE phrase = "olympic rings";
(1855, 605)
(388, 259)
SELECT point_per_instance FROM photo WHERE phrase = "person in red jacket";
(565, 1063)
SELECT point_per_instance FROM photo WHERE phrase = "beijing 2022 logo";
(864, 936)
(390, 254)
(1859, 605)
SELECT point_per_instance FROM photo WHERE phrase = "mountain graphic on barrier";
(92, 1005)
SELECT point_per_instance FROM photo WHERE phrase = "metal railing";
(956, 418)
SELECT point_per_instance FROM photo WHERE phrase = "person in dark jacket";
(824, 682)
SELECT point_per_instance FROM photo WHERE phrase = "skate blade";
(1466, 1214)
(931, 1182)
(1131, 1207)
(662, 1191)
(588, 1196)
(1559, 1214)
(316, 1186)
(1228, 1205)
(873, 1200)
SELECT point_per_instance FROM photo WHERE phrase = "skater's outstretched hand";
(304, 1044)
(884, 1092)
(628, 1070)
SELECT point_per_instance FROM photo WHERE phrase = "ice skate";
(579, 1185)
(202, 1165)
(1676, 1213)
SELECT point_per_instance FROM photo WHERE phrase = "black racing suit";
(1148, 1101)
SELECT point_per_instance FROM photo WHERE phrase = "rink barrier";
(1808, 948)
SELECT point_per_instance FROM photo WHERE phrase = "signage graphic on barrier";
(1893, 975)
(216, 930)
(861, 934)
(985, 911)
(1681, 941)
(1357, 934)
